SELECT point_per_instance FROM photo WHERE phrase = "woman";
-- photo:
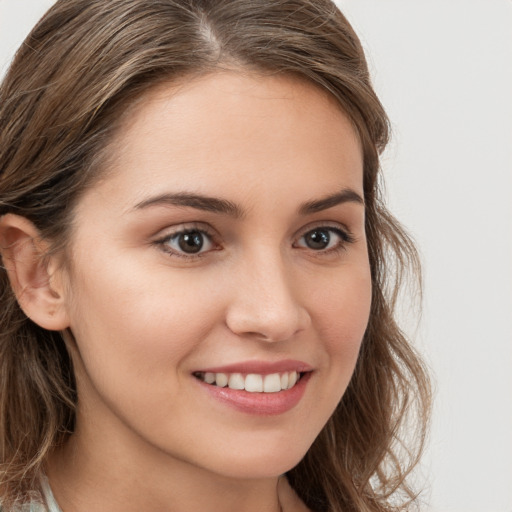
(199, 272)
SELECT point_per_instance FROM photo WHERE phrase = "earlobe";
(31, 273)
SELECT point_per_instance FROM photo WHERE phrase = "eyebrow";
(198, 201)
(347, 195)
(226, 207)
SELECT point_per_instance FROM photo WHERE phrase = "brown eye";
(191, 242)
(317, 239)
(187, 242)
(325, 238)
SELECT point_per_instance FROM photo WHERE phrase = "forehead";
(213, 132)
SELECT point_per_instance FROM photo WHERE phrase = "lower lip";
(263, 404)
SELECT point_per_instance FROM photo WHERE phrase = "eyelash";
(344, 235)
(165, 240)
(345, 238)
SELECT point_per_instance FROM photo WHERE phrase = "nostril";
(270, 326)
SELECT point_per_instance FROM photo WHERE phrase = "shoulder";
(37, 501)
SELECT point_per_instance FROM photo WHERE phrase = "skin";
(143, 319)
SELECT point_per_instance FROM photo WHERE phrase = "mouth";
(261, 388)
(252, 382)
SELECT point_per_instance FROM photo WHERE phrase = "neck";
(105, 475)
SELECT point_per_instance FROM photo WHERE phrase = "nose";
(265, 303)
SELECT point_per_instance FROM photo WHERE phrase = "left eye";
(321, 239)
(189, 242)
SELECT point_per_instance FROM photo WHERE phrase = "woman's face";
(225, 243)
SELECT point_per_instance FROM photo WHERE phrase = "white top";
(49, 505)
(49, 499)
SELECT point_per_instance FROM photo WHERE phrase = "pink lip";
(263, 404)
(260, 367)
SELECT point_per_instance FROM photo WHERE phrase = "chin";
(261, 461)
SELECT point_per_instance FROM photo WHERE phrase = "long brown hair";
(83, 65)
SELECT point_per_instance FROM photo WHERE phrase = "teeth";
(209, 378)
(221, 379)
(252, 382)
(272, 383)
(236, 381)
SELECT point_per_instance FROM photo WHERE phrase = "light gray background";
(443, 69)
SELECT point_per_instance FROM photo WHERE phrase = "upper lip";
(260, 367)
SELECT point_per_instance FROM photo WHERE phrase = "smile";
(252, 382)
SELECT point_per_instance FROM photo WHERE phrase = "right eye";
(187, 243)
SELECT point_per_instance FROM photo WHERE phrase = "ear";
(35, 277)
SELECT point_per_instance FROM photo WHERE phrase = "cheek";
(341, 314)
(125, 319)
(134, 334)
